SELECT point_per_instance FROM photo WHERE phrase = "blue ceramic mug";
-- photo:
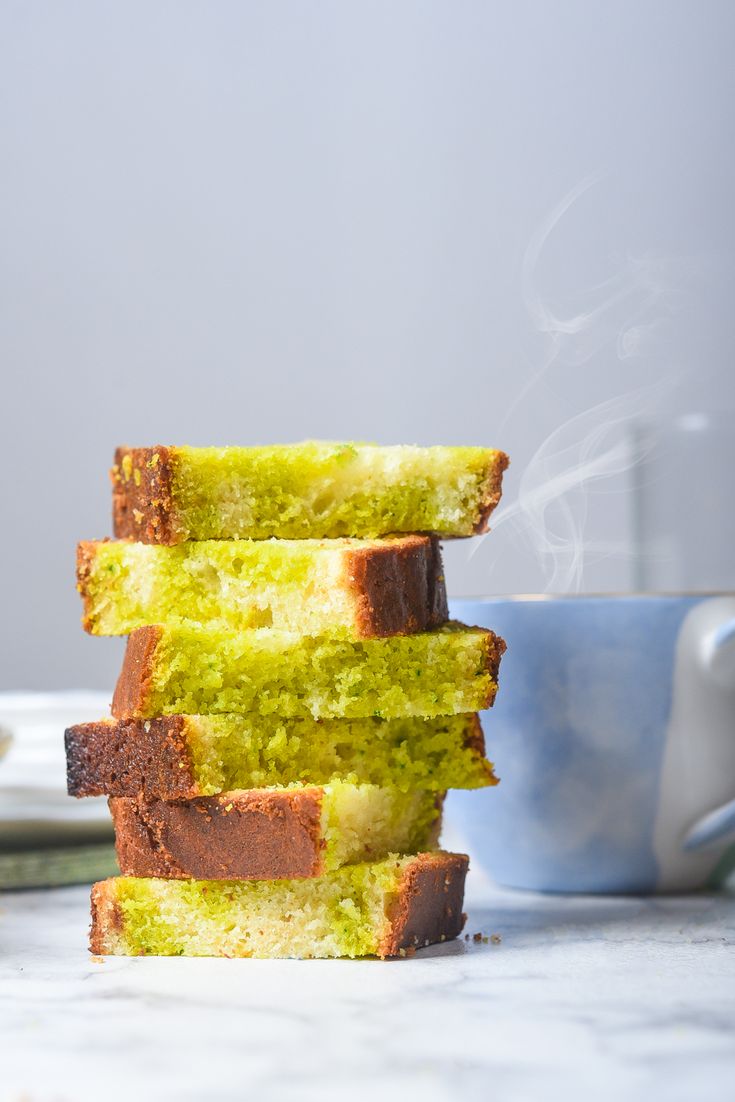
(613, 734)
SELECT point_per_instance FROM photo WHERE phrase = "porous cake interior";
(236, 751)
(364, 822)
(229, 584)
(434, 673)
(331, 490)
(342, 914)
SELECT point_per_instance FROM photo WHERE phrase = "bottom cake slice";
(271, 833)
(381, 909)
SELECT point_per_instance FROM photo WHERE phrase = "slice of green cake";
(181, 757)
(386, 909)
(271, 833)
(267, 672)
(358, 588)
(171, 494)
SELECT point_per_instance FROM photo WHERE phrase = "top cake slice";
(296, 491)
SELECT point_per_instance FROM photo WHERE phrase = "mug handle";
(719, 654)
(719, 658)
(710, 828)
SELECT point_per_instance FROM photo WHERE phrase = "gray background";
(255, 222)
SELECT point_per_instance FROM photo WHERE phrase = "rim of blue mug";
(648, 593)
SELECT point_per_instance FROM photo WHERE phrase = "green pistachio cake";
(271, 833)
(168, 670)
(181, 757)
(359, 588)
(293, 491)
(385, 909)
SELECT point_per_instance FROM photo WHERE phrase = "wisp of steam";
(620, 314)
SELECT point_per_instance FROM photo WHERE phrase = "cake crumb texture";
(166, 671)
(359, 588)
(293, 491)
(181, 757)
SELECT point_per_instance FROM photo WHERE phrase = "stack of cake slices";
(293, 704)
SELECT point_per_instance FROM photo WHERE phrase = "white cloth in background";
(35, 808)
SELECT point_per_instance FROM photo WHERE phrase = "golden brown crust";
(428, 905)
(398, 587)
(493, 491)
(107, 918)
(134, 683)
(142, 500)
(130, 757)
(245, 835)
(86, 551)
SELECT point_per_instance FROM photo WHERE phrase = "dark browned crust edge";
(493, 490)
(142, 496)
(475, 737)
(495, 648)
(130, 757)
(427, 907)
(107, 917)
(134, 683)
(475, 741)
(398, 588)
(245, 835)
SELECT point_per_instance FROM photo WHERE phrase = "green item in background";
(55, 867)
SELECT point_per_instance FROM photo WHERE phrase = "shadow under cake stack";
(293, 703)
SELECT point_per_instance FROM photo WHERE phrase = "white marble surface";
(596, 998)
(599, 998)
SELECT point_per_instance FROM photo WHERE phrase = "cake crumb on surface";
(484, 939)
